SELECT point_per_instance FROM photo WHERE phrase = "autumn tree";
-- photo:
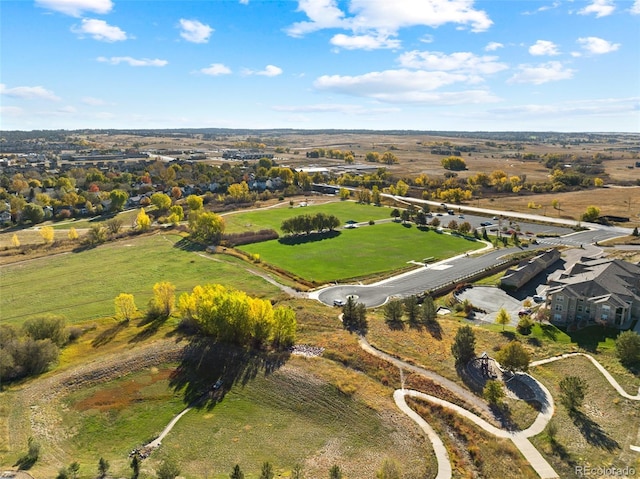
(344, 194)
(194, 202)
(207, 227)
(125, 306)
(164, 299)
(72, 234)
(15, 242)
(143, 221)
(161, 201)
(97, 234)
(47, 233)
(591, 214)
(503, 317)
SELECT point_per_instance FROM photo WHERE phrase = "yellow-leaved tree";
(15, 242)
(164, 299)
(47, 234)
(73, 234)
(125, 306)
(143, 221)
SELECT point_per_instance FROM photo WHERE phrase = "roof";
(610, 280)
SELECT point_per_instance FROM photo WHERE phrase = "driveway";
(492, 300)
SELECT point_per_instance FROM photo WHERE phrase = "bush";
(48, 327)
(628, 348)
(524, 325)
(249, 237)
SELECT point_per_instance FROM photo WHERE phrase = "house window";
(557, 317)
(558, 307)
(559, 298)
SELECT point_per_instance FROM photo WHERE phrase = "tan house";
(515, 278)
(596, 291)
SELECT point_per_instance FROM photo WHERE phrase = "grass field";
(272, 217)
(288, 417)
(82, 286)
(598, 437)
(360, 252)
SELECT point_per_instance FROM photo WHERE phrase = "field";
(271, 218)
(359, 252)
(82, 286)
(601, 434)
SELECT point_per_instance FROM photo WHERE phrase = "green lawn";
(83, 285)
(288, 417)
(360, 252)
(273, 217)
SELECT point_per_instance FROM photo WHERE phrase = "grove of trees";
(233, 316)
(308, 223)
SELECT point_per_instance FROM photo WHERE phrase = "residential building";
(596, 291)
(515, 278)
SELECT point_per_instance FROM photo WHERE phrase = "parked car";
(486, 223)
(524, 312)
(537, 298)
(338, 302)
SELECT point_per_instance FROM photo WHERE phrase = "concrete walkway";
(600, 367)
(158, 441)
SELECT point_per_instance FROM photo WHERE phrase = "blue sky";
(353, 64)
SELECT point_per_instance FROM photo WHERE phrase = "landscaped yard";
(359, 252)
(271, 218)
(82, 286)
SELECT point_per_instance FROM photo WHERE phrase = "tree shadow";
(208, 369)
(534, 342)
(151, 323)
(561, 451)
(186, 244)
(395, 325)
(435, 330)
(26, 462)
(310, 238)
(549, 331)
(588, 338)
(503, 414)
(108, 335)
(510, 335)
(593, 433)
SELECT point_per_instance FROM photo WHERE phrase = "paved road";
(452, 270)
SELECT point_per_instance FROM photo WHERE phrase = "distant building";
(596, 291)
(515, 278)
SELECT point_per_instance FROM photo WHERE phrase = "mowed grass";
(82, 286)
(360, 252)
(288, 417)
(272, 217)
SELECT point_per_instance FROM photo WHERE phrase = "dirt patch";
(120, 396)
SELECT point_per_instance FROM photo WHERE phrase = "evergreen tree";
(463, 347)
(335, 472)
(103, 467)
(236, 473)
(428, 310)
(267, 471)
(412, 308)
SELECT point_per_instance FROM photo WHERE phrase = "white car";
(338, 302)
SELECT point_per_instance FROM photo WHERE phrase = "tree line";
(308, 223)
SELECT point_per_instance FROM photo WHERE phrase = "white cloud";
(67, 109)
(333, 108)
(463, 62)
(597, 46)
(601, 107)
(601, 8)
(544, 47)
(426, 38)
(89, 100)
(99, 30)
(11, 111)
(216, 69)
(322, 13)
(244, 2)
(76, 8)
(364, 42)
(635, 8)
(544, 8)
(543, 73)
(493, 46)
(404, 86)
(195, 31)
(382, 18)
(28, 92)
(134, 62)
(269, 71)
